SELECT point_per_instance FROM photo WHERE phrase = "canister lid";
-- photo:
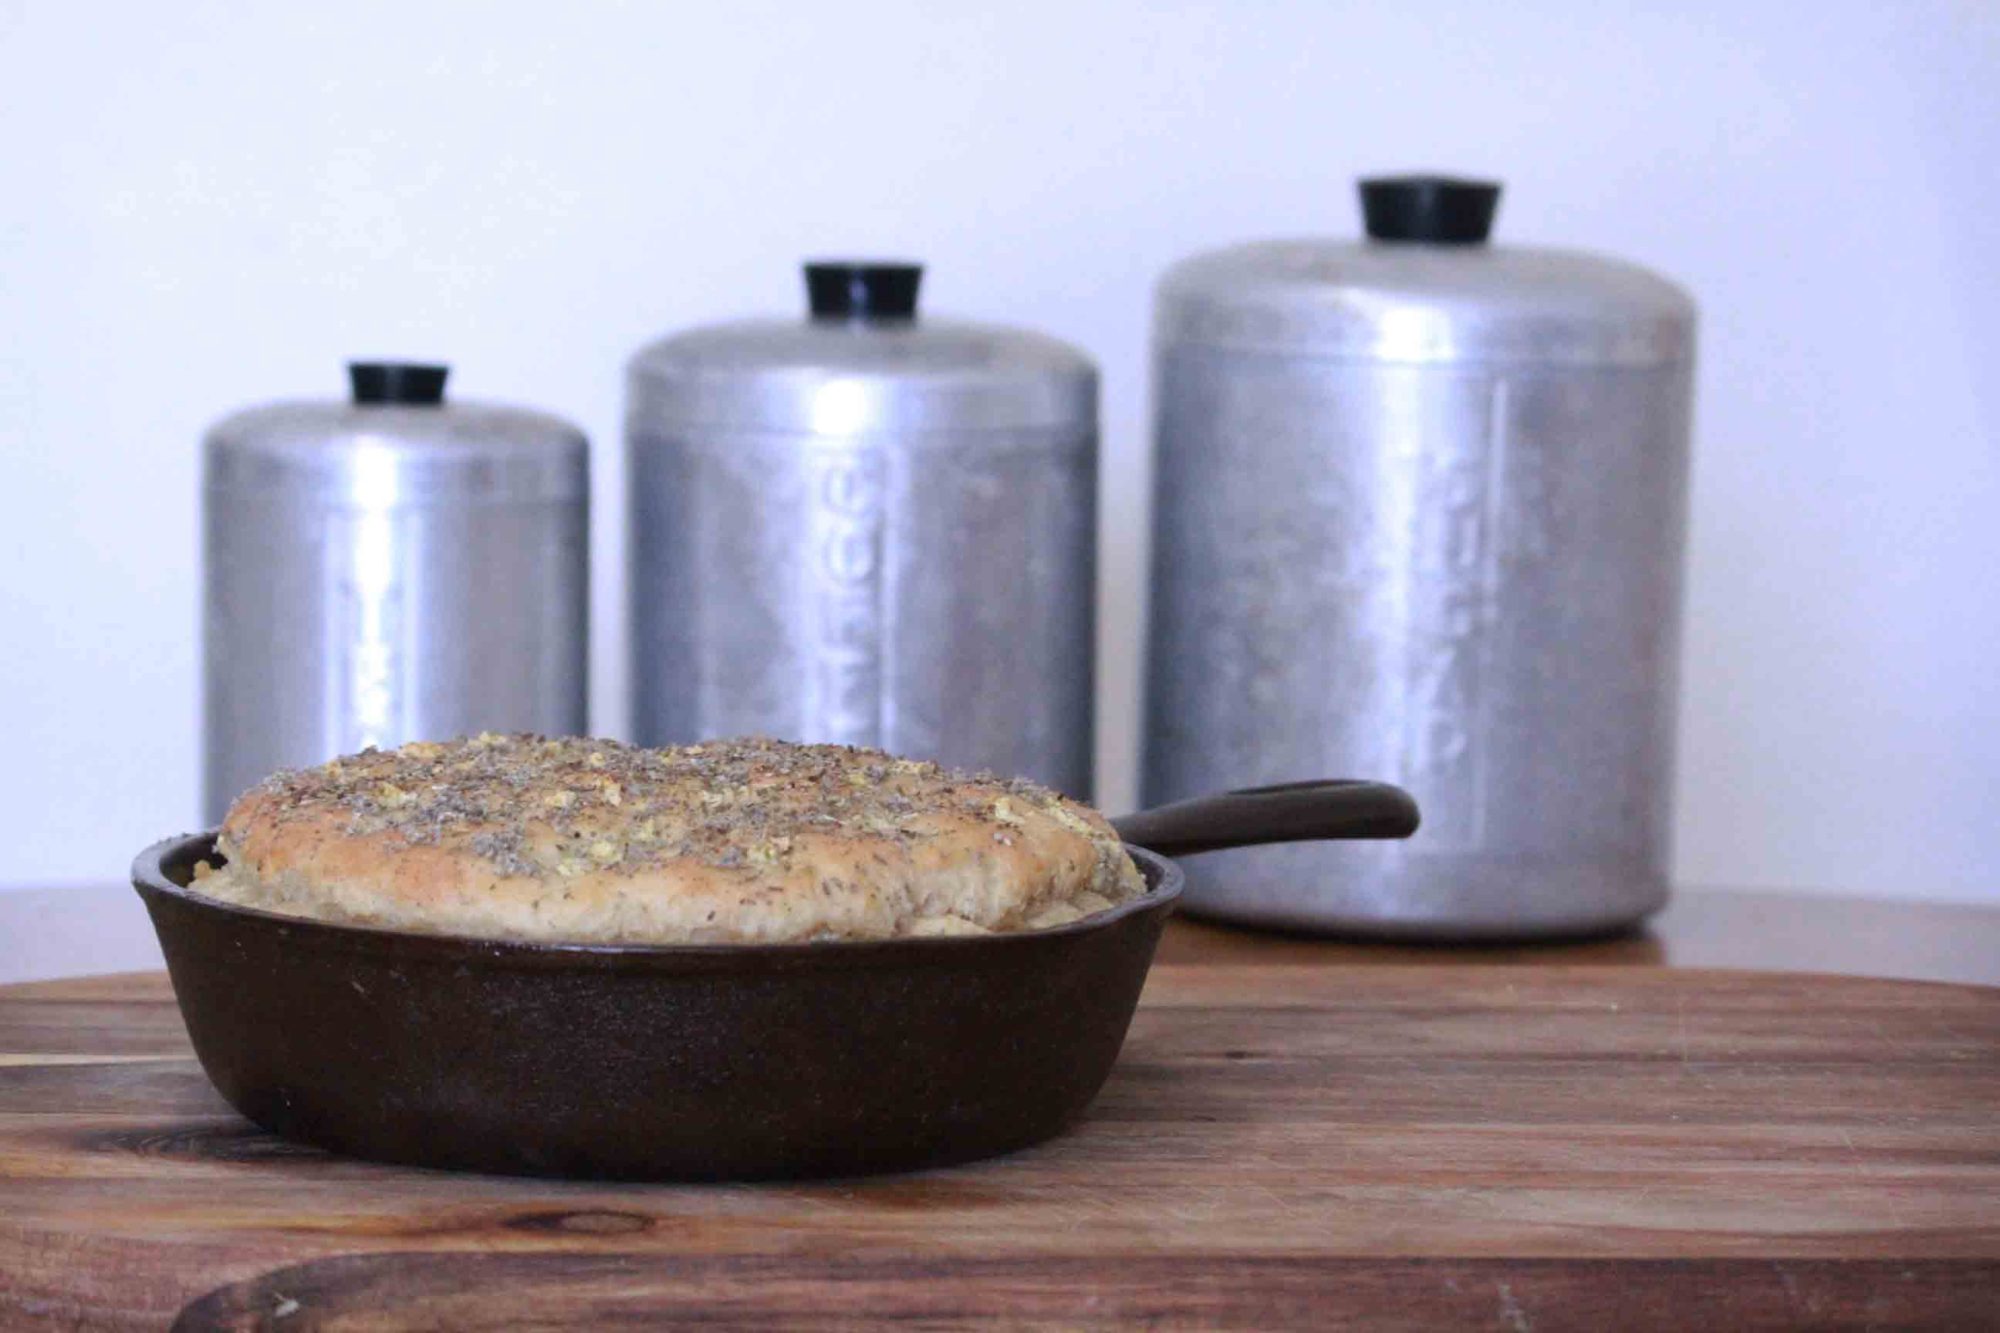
(1426, 287)
(863, 360)
(396, 440)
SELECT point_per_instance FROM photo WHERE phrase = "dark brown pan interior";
(677, 1062)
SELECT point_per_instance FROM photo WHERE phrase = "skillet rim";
(1164, 878)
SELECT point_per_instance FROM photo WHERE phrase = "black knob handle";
(1440, 210)
(406, 383)
(846, 289)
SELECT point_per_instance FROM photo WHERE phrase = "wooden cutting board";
(1511, 1148)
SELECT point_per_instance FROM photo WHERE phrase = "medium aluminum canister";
(1420, 512)
(389, 569)
(867, 527)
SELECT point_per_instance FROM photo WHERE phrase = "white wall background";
(208, 204)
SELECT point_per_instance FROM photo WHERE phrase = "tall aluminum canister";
(388, 569)
(1420, 514)
(869, 528)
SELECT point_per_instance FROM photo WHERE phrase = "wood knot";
(586, 1221)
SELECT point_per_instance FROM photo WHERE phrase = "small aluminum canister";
(869, 528)
(1420, 513)
(389, 569)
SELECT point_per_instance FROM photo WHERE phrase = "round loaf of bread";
(745, 841)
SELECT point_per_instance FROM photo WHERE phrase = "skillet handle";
(1288, 812)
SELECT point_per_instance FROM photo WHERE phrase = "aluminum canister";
(869, 528)
(1420, 513)
(388, 569)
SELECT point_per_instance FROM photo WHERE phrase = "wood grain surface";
(1499, 1146)
(1766, 932)
(103, 928)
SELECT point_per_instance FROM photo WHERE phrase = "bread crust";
(746, 841)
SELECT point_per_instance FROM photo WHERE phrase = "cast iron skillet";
(691, 1062)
